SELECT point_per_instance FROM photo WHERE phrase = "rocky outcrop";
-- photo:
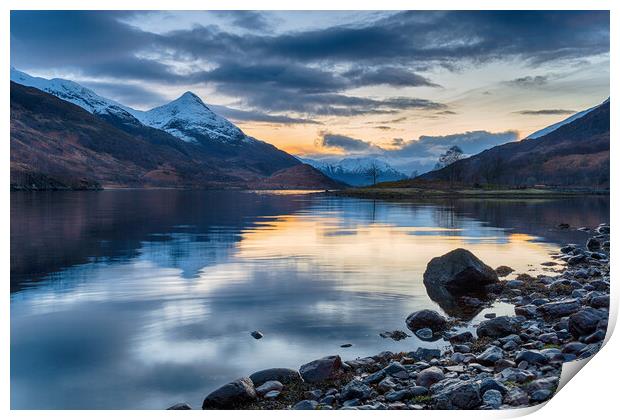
(459, 271)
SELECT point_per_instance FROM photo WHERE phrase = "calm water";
(141, 299)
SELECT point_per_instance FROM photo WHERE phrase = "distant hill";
(575, 154)
(83, 142)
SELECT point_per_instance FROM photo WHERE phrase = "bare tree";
(373, 172)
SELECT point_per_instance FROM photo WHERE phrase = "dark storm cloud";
(277, 72)
(343, 143)
(388, 75)
(545, 112)
(470, 142)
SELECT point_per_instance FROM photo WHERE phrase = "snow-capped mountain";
(72, 92)
(187, 117)
(570, 119)
(355, 170)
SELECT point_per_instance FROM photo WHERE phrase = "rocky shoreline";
(510, 361)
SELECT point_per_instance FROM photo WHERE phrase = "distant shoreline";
(411, 193)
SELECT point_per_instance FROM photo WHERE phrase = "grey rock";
(321, 369)
(418, 391)
(375, 377)
(601, 301)
(426, 318)
(541, 395)
(464, 337)
(516, 375)
(306, 405)
(386, 385)
(396, 369)
(458, 271)
(560, 308)
(504, 364)
(355, 389)
(425, 354)
(491, 355)
(231, 395)
(313, 394)
(573, 347)
(461, 348)
(452, 394)
(283, 375)
(549, 338)
(487, 384)
(497, 327)
(403, 394)
(584, 322)
(531, 357)
(516, 396)
(429, 376)
(593, 244)
(492, 398)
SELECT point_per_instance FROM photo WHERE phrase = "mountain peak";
(190, 96)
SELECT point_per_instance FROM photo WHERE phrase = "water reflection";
(140, 299)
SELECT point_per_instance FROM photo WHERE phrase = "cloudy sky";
(325, 83)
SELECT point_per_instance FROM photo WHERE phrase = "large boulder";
(459, 271)
(584, 322)
(283, 375)
(321, 369)
(426, 318)
(497, 327)
(231, 395)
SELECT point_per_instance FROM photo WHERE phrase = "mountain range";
(355, 170)
(65, 136)
(572, 153)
